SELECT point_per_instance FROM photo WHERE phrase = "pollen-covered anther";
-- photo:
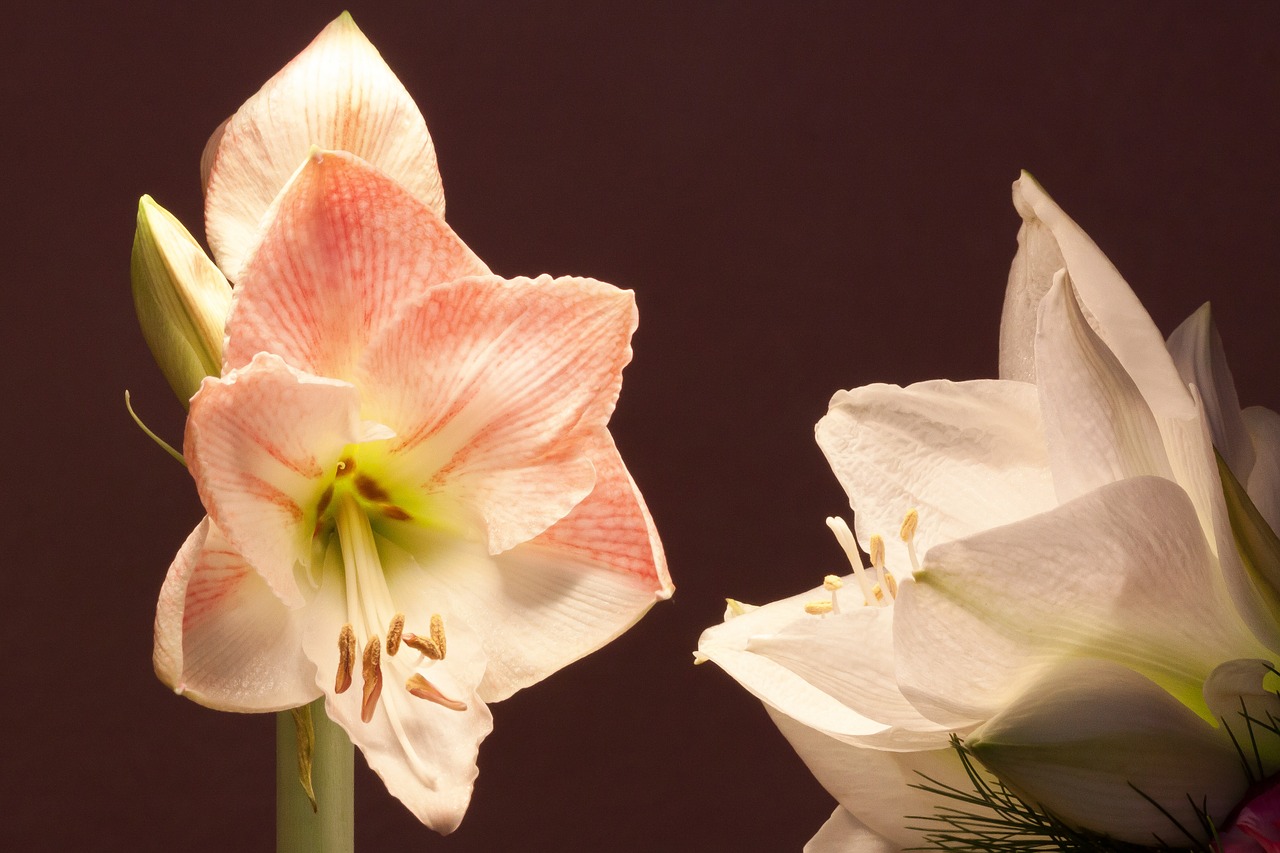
(426, 645)
(423, 689)
(346, 658)
(908, 534)
(876, 549)
(437, 633)
(817, 608)
(372, 672)
(735, 607)
(891, 583)
(394, 632)
(831, 583)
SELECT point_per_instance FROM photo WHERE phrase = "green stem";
(330, 828)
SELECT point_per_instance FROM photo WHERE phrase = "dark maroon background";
(804, 198)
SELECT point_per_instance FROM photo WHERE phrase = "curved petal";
(1097, 425)
(831, 673)
(263, 443)
(874, 786)
(844, 833)
(338, 94)
(494, 389)
(1237, 695)
(611, 528)
(1196, 348)
(344, 247)
(1111, 307)
(1030, 276)
(532, 610)
(967, 455)
(1100, 746)
(1122, 573)
(1263, 485)
(424, 752)
(222, 637)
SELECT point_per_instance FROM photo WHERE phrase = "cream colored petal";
(1122, 573)
(1111, 307)
(1263, 426)
(337, 94)
(424, 752)
(223, 638)
(1098, 427)
(966, 455)
(844, 833)
(1196, 348)
(1106, 749)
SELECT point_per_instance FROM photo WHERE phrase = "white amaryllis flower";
(414, 503)
(1082, 614)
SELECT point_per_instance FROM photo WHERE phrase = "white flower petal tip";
(1106, 749)
(337, 94)
(181, 299)
(844, 833)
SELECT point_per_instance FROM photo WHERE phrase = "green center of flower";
(353, 508)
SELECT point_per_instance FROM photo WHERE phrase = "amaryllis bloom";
(1083, 597)
(414, 504)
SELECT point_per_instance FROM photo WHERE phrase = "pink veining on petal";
(345, 247)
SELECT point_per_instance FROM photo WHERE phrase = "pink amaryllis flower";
(414, 504)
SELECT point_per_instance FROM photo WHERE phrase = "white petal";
(222, 637)
(966, 455)
(1196, 348)
(1093, 740)
(1110, 306)
(1030, 276)
(876, 786)
(423, 752)
(1264, 480)
(1237, 694)
(844, 833)
(1121, 573)
(832, 673)
(337, 94)
(531, 610)
(1097, 424)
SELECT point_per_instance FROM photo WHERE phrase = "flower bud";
(181, 298)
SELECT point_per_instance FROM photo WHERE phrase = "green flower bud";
(182, 299)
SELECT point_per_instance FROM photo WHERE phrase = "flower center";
(369, 604)
(879, 590)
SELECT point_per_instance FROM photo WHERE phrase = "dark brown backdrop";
(804, 197)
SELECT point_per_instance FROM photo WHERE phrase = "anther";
(908, 534)
(426, 645)
(832, 583)
(877, 562)
(817, 608)
(369, 488)
(394, 632)
(892, 584)
(372, 672)
(437, 633)
(735, 607)
(346, 658)
(423, 689)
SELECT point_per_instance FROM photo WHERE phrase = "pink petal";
(494, 389)
(339, 94)
(222, 637)
(263, 443)
(344, 247)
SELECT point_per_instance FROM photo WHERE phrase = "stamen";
(876, 550)
(817, 608)
(845, 537)
(908, 534)
(394, 632)
(892, 584)
(423, 689)
(372, 672)
(735, 607)
(437, 633)
(426, 645)
(346, 658)
(832, 583)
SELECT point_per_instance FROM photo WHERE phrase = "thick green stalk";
(330, 828)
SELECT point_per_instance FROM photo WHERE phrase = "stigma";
(877, 584)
